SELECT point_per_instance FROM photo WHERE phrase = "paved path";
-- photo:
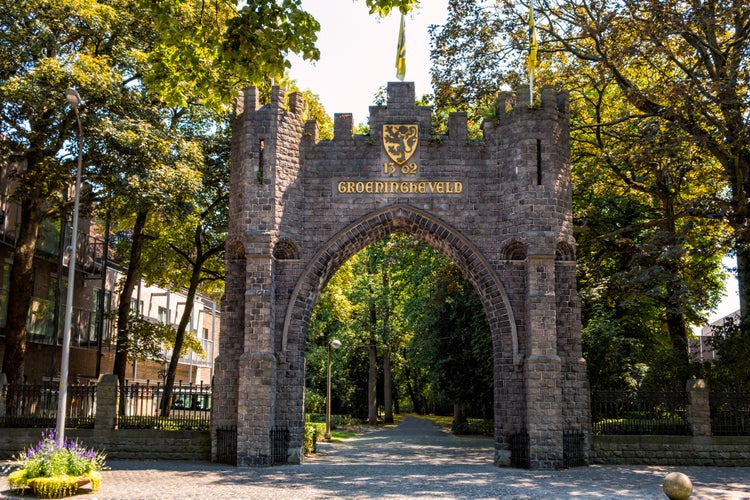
(415, 460)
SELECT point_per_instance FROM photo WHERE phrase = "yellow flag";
(401, 52)
(533, 45)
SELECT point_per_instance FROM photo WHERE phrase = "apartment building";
(95, 300)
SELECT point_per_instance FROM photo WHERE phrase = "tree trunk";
(123, 309)
(387, 375)
(459, 416)
(674, 304)
(372, 377)
(743, 281)
(417, 401)
(372, 386)
(387, 386)
(179, 340)
(22, 285)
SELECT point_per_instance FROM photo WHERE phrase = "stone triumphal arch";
(499, 207)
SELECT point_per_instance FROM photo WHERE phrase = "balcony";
(90, 251)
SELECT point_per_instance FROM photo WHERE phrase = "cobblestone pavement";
(415, 460)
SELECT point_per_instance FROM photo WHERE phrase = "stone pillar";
(542, 367)
(106, 402)
(699, 409)
(257, 370)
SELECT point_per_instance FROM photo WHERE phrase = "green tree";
(153, 168)
(647, 198)
(169, 54)
(187, 250)
(682, 64)
(730, 371)
(46, 47)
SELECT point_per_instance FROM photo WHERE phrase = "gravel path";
(415, 460)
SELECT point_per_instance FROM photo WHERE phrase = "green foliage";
(149, 339)
(456, 342)
(730, 371)
(413, 302)
(336, 420)
(383, 7)
(613, 357)
(650, 191)
(473, 426)
(55, 470)
(668, 425)
(313, 432)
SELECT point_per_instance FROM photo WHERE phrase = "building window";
(163, 315)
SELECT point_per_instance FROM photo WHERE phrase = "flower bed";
(54, 471)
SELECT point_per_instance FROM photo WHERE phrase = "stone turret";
(498, 206)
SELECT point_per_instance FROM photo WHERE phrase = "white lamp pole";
(75, 100)
(335, 345)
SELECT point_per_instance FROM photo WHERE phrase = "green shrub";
(336, 420)
(648, 426)
(312, 432)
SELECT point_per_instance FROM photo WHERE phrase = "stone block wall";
(499, 208)
(126, 444)
(723, 451)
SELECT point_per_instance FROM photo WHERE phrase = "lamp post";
(75, 100)
(335, 344)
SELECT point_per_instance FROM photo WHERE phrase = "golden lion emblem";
(400, 141)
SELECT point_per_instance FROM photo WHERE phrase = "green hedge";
(313, 432)
(336, 420)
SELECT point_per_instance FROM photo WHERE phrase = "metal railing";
(89, 251)
(574, 449)
(730, 413)
(141, 407)
(226, 445)
(35, 405)
(642, 412)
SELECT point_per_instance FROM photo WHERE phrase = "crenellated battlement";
(400, 107)
(498, 207)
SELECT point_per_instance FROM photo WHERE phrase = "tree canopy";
(655, 90)
(138, 65)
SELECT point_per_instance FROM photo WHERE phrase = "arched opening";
(474, 266)
(412, 337)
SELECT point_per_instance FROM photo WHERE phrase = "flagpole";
(531, 87)
(533, 47)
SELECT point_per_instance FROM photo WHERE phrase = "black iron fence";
(35, 405)
(519, 450)
(226, 445)
(574, 449)
(641, 412)
(279, 445)
(142, 406)
(730, 413)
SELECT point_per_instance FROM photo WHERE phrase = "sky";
(358, 56)
(358, 53)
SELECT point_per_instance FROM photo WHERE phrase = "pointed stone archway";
(499, 208)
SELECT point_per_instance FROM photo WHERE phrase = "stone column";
(106, 402)
(257, 367)
(542, 366)
(699, 409)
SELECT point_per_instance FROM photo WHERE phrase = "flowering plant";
(55, 471)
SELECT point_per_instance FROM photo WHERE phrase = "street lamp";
(75, 100)
(335, 344)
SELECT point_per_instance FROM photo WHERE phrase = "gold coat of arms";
(400, 141)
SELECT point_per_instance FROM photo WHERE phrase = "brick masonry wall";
(135, 444)
(500, 208)
(724, 451)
